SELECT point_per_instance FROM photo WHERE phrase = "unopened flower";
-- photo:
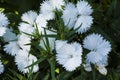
(87, 67)
(102, 69)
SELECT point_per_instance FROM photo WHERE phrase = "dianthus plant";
(56, 38)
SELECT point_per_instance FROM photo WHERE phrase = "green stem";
(93, 73)
(52, 66)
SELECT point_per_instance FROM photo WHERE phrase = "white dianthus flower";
(3, 23)
(24, 41)
(99, 48)
(41, 22)
(47, 10)
(84, 22)
(69, 55)
(50, 39)
(84, 8)
(9, 35)
(1, 67)
(23, 60)
(29, 17)
(70, 15)
(12, 48)
(57, 4)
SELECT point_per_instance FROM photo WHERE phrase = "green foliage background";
(106, 22)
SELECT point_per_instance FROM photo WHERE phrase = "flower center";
(71, 56)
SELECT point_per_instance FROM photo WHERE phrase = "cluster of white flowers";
(18, 46)
(20, 50)
(80, 17)
(69, 55)
(75, 16)
(3, 27)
